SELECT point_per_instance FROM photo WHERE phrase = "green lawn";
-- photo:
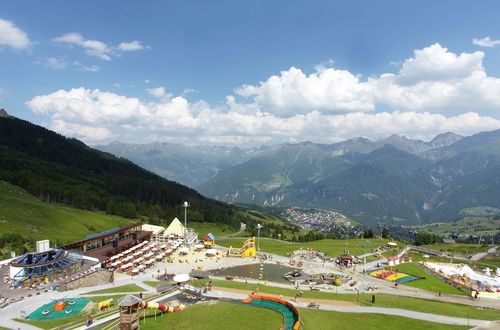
(98, 299)
(318, 320)
(219, 230)
(217, 316)
(57, 323)
(429, 283)
(382, 300)
(458, 248)
(330, 246)
(23, 213)
(119, 289)
(153, 284)
(222, 315)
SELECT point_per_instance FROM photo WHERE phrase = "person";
(373, 298)
(439, 293)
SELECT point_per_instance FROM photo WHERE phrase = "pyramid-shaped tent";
(175, 228)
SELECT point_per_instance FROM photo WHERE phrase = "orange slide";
(161, 307)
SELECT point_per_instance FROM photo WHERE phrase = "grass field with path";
(222, 315)
(318, 319)
(382, 300)
(458, 248)
(219, 230)
(215, 315)
(330, 246)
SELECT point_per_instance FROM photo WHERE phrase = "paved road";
(243, 226)
(481, 255)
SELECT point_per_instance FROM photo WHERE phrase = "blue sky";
(248, 73)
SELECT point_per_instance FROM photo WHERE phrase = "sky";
(248, 73)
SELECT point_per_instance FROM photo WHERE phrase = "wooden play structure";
(129, 312)
(247, 250)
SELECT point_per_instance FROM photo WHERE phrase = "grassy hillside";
(21, 212)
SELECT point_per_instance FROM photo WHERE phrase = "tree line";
(63, 170)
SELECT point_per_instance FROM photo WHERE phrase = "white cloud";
(486, 42)
(436, 63)
(326, 89)
(92, 47)
(89, 134)
(55, 63)
(157, 92)
(325, 106)
(3, 93)
(131, 46)
(433, 79)
(12, 36)
(98, 48)
(97, 116)
(92, 68)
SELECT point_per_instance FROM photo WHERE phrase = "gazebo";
(129, 312)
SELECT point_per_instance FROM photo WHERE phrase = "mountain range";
(395, 180)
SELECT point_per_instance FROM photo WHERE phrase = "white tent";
(181, 278)
(175, 228)
(211, 252)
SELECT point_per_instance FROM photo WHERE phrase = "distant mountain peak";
(445, 139)
(4, 114)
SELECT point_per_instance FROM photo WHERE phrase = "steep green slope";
(62, 170)
(22, 213)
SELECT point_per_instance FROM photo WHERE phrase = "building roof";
(155, 229)
(128, 300)
(175, 228)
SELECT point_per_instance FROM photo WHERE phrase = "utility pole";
(259, 226)
(185, 205)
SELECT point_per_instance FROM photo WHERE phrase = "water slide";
(247, 250)
(162, 307)
(291, 317)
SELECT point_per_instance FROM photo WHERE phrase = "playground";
(59, 309)
(291, 317)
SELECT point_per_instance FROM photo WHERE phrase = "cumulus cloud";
(433, 79)
(98, 48)
(326, 89)
(486, 42)
(98, 116)
(12, 36)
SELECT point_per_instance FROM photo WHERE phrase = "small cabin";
(209, 240)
